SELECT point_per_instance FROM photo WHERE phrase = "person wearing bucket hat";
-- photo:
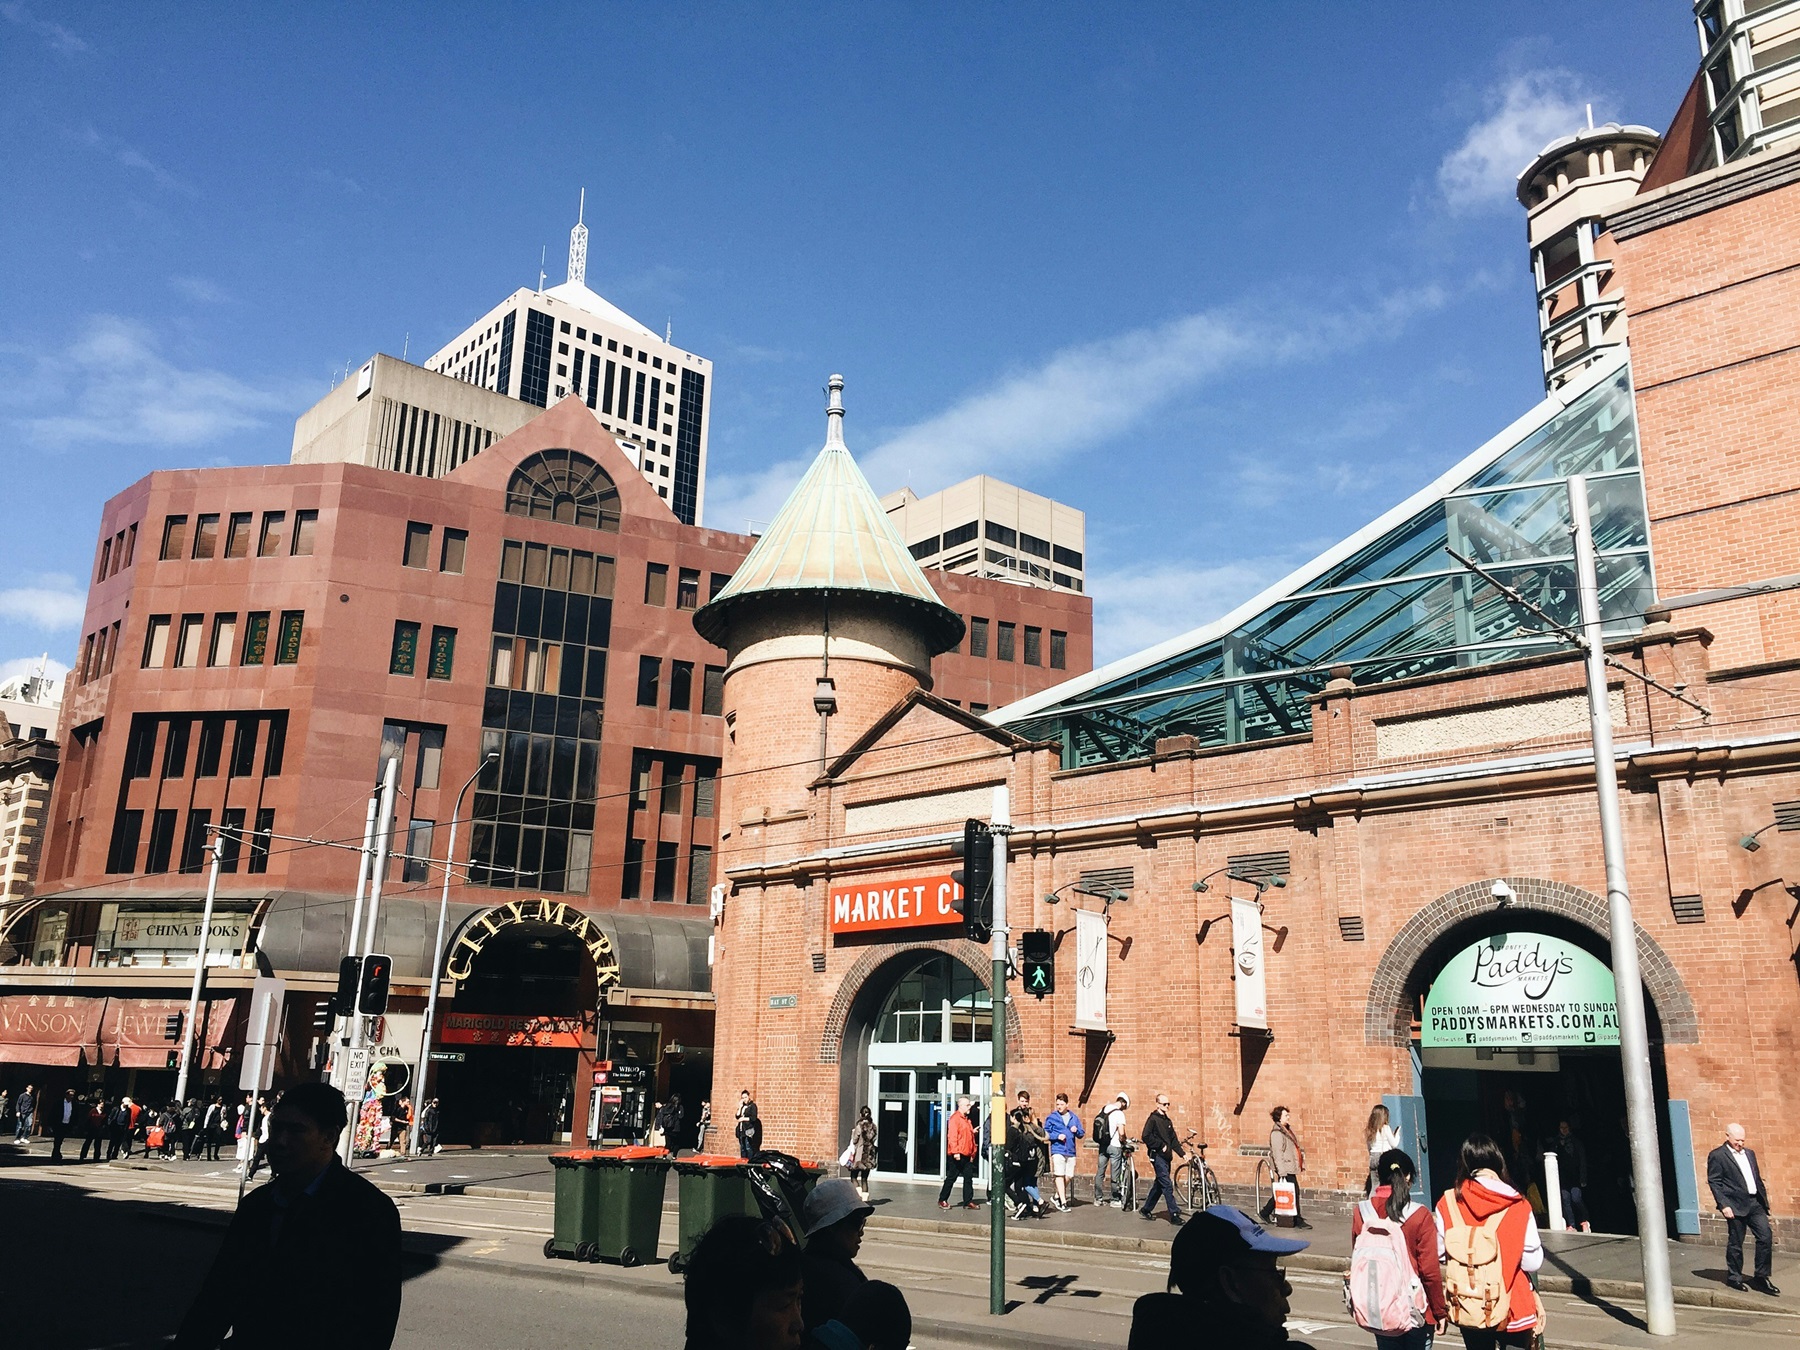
(1225, 1277)
(834, 1216)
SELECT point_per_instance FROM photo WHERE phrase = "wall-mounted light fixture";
(1261, 883)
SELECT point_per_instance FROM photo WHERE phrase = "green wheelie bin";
(630, 1186)
(577, 1221)
(709, 1187)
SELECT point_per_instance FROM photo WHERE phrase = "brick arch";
(1388, 1015)
(971, 954)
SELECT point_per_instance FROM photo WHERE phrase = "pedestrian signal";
(323, 1017)
(375, 971)
(976, 877)
(172, 1027)
(343, 1002)
(1037, 962)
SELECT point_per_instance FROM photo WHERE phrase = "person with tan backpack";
(1488, 1240)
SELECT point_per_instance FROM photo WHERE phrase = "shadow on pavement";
(1052, 1285)
(1583, 1288)
(90, 1272)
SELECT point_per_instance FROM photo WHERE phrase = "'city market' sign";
(1515, 989)
(919, 902)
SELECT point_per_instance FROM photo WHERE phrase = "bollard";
(1553, 1192)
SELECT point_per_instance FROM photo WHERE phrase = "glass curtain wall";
(1401, 605)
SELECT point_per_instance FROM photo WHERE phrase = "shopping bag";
(848, 1156)
(154, 1139)
(1287, 1203)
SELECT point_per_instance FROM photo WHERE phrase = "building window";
(187, 645)
(668, 852)
(1059, 650)
(1003, 644)
(649, 680)
(978, 637)
(443, 653)
(256, 637)
(206, 535)
(106, 547)
(174, 537)
(716, 582)
(1066, 557)
(687, 589)
(1030, 543)
(962, 534)
(287, 643)
(631, 874)
(260, 840)
(156, 642)
(699, 874)
(274, 530)
(706, 783)
(130, 547)
(231, 839)
(418, 545)
(978, 707)
(712, 691)
(175, 748)
(162, 842)
(456, 547)
(224, 640)
(193, 841)
(403, 656)
(121, 854)
(656, 584)
(563, 486)
(681, 685)
(237, 535)
(306, 528)
(1034, 646)
(416, 866)
(212, 745)
(669, 798)
(1001, 534)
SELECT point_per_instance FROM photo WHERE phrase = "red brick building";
(1381, 760)
(259, 642)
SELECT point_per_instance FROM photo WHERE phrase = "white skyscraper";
(542, 345)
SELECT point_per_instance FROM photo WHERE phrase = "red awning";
(51, 1029)
(224, 1019)
(132, 1033)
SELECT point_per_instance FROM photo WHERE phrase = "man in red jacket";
(959, 1144)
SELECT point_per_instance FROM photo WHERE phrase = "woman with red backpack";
(1488, 1239)
(1395, 1288)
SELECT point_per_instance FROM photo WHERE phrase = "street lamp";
(437, 951)
(1261, 883)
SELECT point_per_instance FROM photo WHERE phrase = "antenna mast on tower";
(578, 244)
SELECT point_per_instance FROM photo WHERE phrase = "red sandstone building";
(1381, 761)
(259, 642)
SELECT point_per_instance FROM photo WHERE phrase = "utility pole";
(340, 1064)
(1634, 1043)
(999, 829)
(384, 829)
(216, 847)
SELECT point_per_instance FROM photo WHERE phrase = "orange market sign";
(917, 902)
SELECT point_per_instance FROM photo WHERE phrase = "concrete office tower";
(1566, 192)
(540, 346)
(982, 527)
(1749, 76)
(827, 625)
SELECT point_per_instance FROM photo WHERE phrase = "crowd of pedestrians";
(110, 1126)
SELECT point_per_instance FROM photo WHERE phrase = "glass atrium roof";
(1390, 602)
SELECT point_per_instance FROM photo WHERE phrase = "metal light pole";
(437, 951)
(1634, 1041)
(340, 1063)
(1001, 827)
(355, 1060)
(216, 847)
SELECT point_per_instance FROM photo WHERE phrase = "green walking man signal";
(976, 877)
(1037, 962)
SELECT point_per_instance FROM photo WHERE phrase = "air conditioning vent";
(818, 960)
(1259, 866)
(1787, 816)
(1688, 908)
(1350, 927)
(1106, 879)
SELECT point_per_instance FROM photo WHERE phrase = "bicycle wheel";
(1209, 1191)
(1128, 1186)
(1187, 1185)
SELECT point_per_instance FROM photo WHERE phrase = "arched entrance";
(1527, 1045)
(917, 1036)
(529, 975)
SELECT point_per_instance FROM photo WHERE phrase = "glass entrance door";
(912, 1112)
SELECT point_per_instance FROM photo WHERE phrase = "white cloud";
(133, 158)
(200, 290)
(59, 38)
(1525, 113)
(114, 384)
(1083, 396)
(335, 180)
(52, 602)
(23, 667)
(1142, 604)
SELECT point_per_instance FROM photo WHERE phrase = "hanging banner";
(1516, 989)
(1090, 970)
(1250, 986)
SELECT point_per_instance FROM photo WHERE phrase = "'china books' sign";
(1515, 989)
(916, 902)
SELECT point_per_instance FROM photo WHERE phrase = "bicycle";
(1127, 1181)
(1195, 1182)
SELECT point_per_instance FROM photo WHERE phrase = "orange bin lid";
(629, 1153)
(711, 1160)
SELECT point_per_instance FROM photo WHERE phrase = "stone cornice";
(1705, 192)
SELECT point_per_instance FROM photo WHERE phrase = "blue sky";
(1232, 279)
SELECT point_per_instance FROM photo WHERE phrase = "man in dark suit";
(1739, 1192)
(311, 1259)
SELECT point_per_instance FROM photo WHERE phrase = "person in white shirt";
(1380, 1136)
(1742, 1196)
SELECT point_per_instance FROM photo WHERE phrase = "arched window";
(563, 486)
(938, 1000)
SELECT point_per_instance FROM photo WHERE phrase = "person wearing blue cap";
(1226, 1287)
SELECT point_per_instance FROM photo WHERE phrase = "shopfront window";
(938, 1001)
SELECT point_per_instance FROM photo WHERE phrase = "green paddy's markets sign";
(1521, 989)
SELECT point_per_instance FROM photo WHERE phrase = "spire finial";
(834, 411)
(578, 244)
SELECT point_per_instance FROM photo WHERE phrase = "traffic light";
(324, 1015)
(976, 877)
(343, 1002)
(1037, 962)
(375, 971)
(172, 1027)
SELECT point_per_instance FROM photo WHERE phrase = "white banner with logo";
(1090, 970)
(1251, 986)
